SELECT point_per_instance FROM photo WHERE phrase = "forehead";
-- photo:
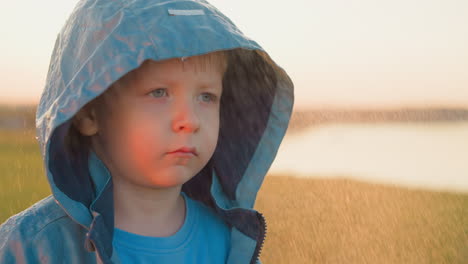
(210, 63)
(205, 66)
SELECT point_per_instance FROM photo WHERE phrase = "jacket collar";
(247, 233)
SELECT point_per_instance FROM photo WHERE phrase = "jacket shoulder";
(32, 220)
(19, 232)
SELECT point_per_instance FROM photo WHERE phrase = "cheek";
(132, 136)
(141, 146)
(143, 136)
(212, 127)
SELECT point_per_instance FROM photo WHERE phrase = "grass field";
(344, 221)
(22, 179)
(309, 220)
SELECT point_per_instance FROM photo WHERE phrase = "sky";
(339, 53)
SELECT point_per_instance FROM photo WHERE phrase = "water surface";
(428, 155)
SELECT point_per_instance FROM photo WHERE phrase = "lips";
(187, 150)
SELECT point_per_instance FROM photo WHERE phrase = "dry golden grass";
(344, 221)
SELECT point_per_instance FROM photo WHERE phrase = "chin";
(169, 181)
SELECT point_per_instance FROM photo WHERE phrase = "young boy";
(158, 124)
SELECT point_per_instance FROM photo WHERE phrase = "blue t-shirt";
(203, 238)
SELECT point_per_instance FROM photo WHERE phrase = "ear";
(85, 121)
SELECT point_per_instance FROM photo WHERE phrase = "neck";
(148, 212)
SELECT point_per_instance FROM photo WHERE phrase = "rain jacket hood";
(104, 39)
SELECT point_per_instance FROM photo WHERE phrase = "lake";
(424, 155)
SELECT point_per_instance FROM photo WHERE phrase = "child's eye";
(209, 97)
(158, 92)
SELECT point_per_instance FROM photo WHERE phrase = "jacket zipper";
(258, 248)
(99, 259)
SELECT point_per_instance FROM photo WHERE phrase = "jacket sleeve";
(60, 241)
(14, 247)
(19, 245)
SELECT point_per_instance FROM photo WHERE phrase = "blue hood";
(104, 39)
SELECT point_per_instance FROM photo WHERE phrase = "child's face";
(157, 109)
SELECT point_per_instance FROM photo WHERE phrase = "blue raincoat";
(100, 42)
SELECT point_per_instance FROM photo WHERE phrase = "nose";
(186, 118)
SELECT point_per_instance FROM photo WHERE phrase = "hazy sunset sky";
(363, 53)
